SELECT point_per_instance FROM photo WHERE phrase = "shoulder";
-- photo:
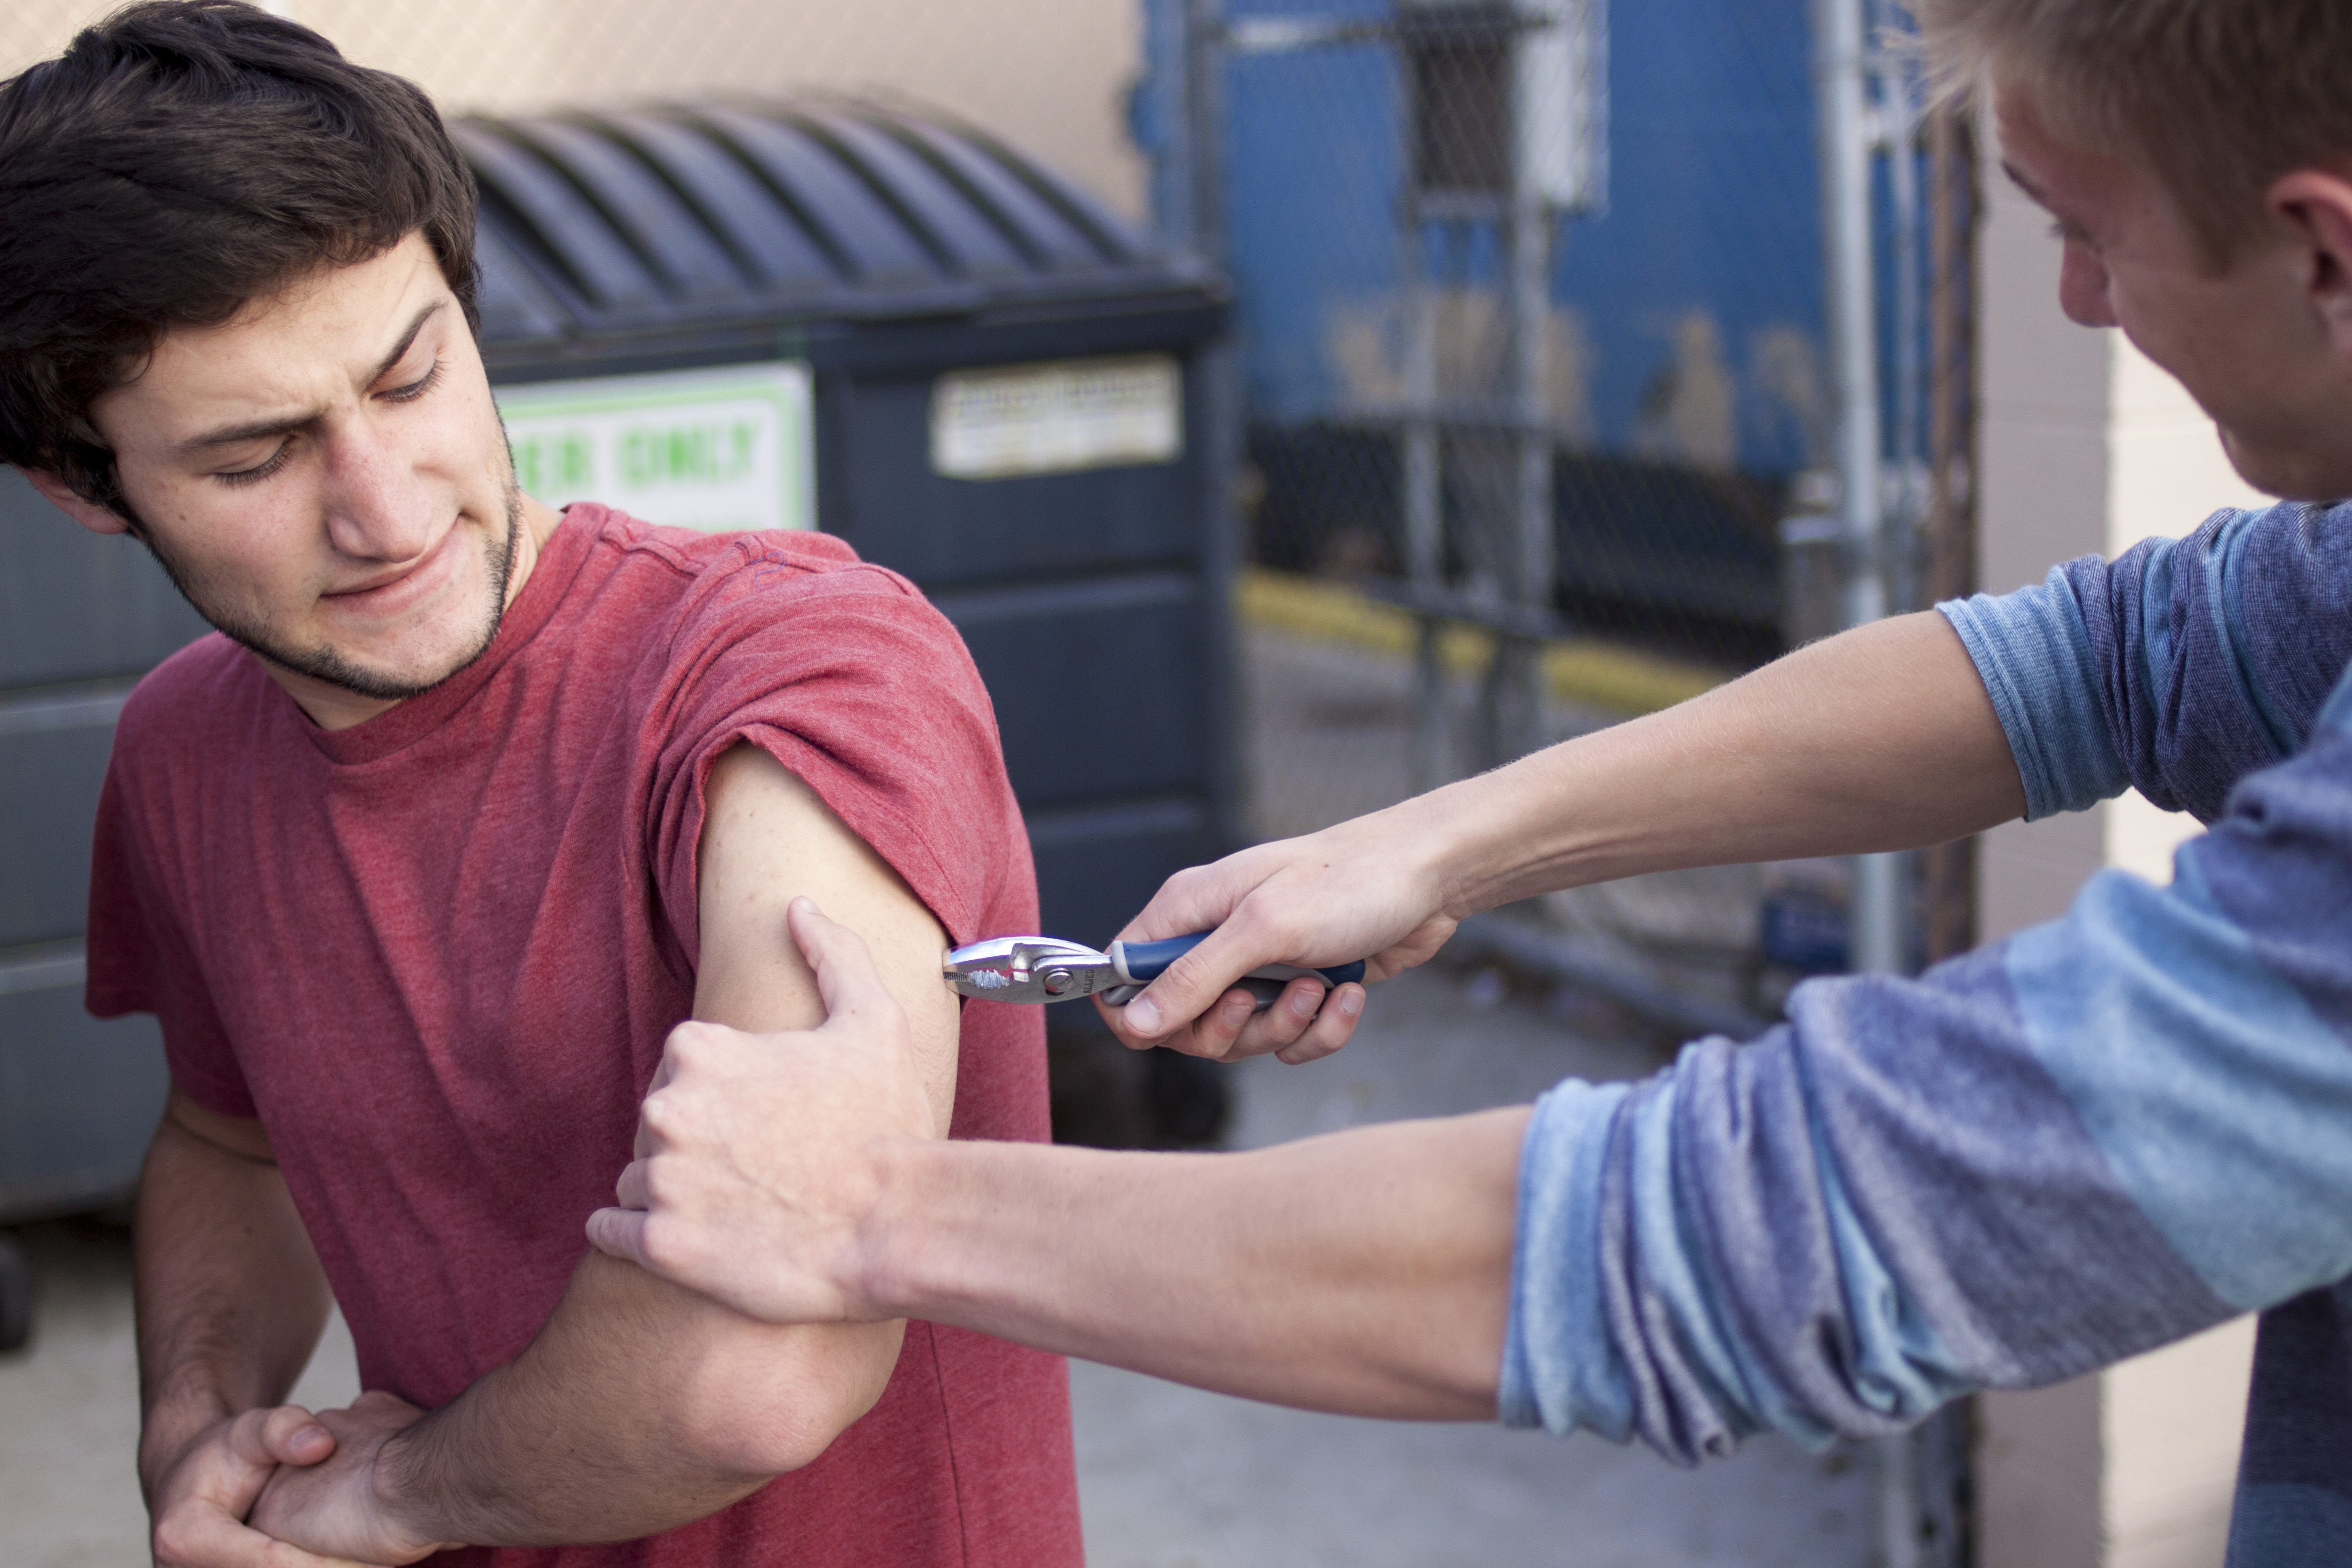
(808, 598)
(190, 727)
(2298, 552)
(182, 700)
(720, 574)
(792, 566)
(2281, 581)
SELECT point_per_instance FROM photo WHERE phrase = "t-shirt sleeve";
(853, 682)
(139, 960)
(2102, 1135)
(2178, 667)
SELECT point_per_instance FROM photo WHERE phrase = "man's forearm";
(1366, 1273)
(640, 1407)
(1880, 738)
(230, 1296)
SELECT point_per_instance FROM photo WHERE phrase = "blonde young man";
(2098, 1136)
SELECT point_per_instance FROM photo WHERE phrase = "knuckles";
(669, 1247)
(695, 1045)
(174, 1541)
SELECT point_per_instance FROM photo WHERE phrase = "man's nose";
(375, 508)
(2082, 289)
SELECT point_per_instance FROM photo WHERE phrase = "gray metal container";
(81, 617)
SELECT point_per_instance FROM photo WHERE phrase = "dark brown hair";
(180, 158)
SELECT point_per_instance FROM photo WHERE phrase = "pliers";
(1048, 969)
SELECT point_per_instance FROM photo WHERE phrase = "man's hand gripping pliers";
(1048, 969)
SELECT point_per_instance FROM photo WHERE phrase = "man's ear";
(89, 513)
(2317, 205)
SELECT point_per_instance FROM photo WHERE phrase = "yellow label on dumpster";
(720, 450)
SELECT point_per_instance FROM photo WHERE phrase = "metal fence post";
(1425, 504)
(1875, 923)
(1845, 135)
(1519, 660)
(1219, 366)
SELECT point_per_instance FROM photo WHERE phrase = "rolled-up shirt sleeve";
(2178, 667)
(2103, 1134)
(2034, 653)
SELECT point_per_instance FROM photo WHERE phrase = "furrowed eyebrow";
(407, 339)
(260, 429)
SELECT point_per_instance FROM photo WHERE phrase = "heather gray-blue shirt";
(2097, 1136)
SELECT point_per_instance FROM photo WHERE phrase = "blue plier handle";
(1048, 969)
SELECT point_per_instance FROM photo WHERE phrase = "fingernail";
(1303, 1005)
(1350, 1004)
(1143, 1016)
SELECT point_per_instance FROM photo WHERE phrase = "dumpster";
(872, 319)
(849, 315)
(82, 618)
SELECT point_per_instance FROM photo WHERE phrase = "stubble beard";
(324, 662)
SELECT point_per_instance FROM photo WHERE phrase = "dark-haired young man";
(420, 859)
(2096, 1137)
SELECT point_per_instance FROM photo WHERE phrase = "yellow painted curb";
(1580, 670)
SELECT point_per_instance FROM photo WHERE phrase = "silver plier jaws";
(1030, 968)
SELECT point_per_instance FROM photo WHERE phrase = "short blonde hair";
(2218, 98)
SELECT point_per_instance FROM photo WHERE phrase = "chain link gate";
(1589, 357)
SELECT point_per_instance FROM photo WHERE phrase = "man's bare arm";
(230, 1302)
(641, 1406)
(1367, 1273)
(1881, 738)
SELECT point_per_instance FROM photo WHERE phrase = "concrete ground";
(70, 1407)
(1169, 1476)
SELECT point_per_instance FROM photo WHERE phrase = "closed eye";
(277, 459)
(415, 389)
(261, 470)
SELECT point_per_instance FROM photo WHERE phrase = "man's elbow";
(766, 1420)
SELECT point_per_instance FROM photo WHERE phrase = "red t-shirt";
(437, 954)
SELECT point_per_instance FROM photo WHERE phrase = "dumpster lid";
(676, 215)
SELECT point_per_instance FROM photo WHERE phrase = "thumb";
(846, 977)
(619, 1233)
(1191, 985)
(288, 1435)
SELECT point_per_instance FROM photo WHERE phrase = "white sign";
(721, 450)
(1056, 418)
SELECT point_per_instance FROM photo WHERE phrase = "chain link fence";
(1539, 408)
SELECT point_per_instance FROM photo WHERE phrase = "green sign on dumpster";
(719, 450)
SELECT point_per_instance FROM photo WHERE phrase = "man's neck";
(332, 707)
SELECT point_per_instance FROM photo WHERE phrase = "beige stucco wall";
(2087, 447)
(1049, 76)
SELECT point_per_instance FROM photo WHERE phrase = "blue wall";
(1713, 208)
